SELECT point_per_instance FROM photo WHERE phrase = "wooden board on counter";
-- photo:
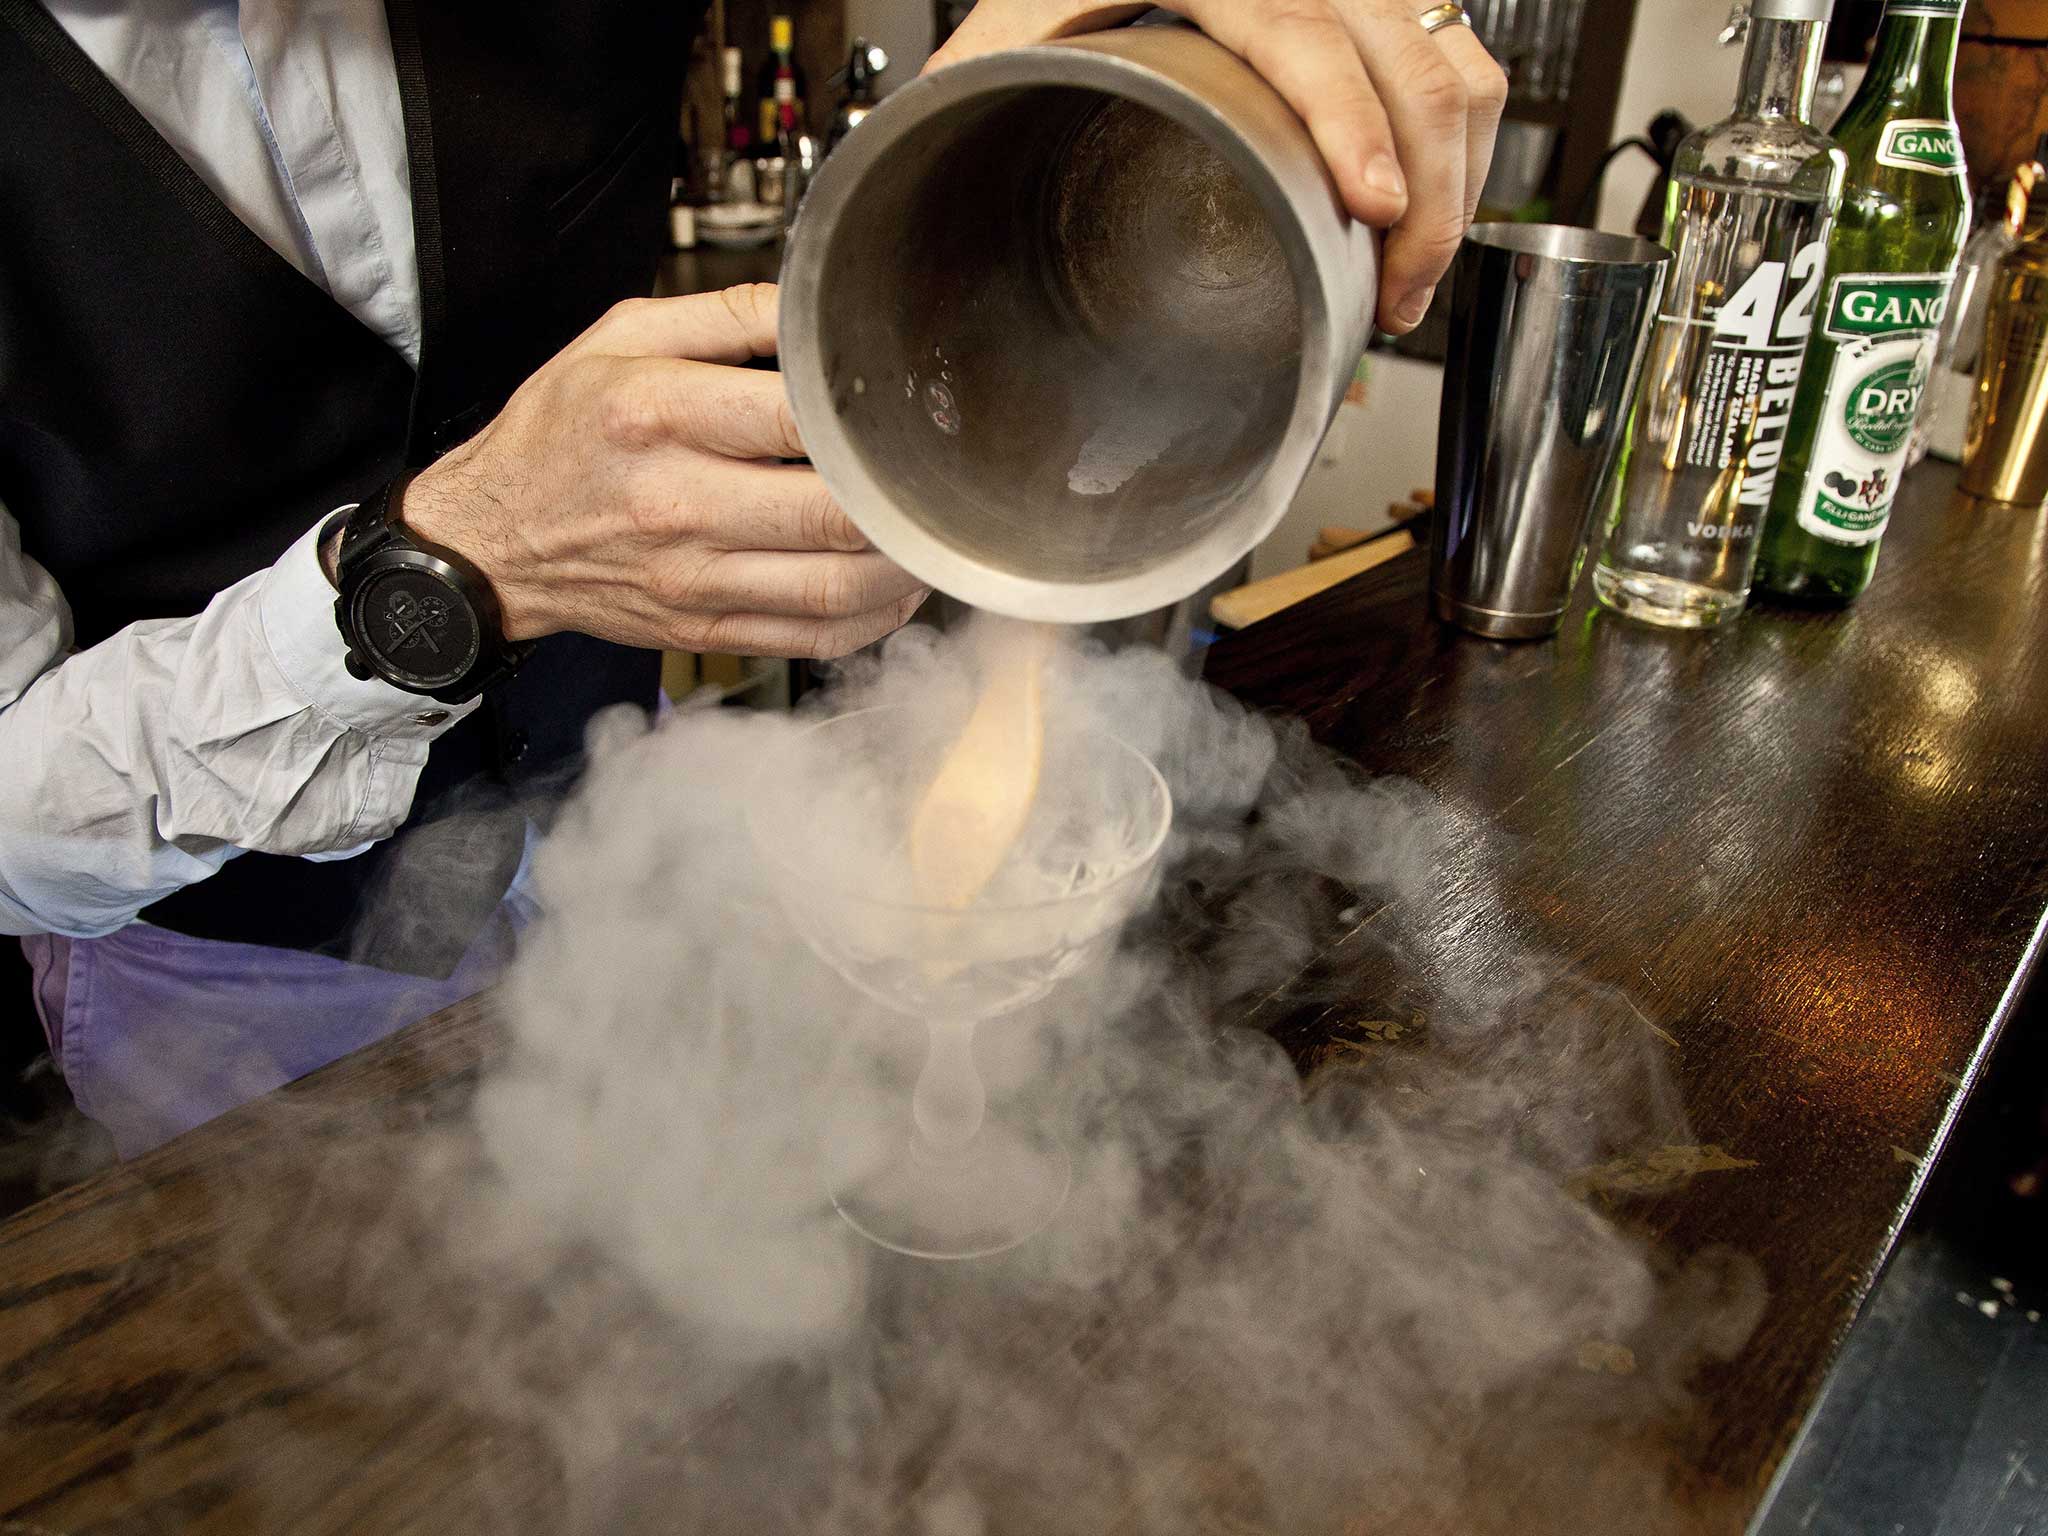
(1248, 604)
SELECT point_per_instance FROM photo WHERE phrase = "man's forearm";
(140, 765)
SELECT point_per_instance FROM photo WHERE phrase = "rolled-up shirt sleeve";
(139, 765)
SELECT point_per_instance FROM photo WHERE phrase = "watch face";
(420, 629)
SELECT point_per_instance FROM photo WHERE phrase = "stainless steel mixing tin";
(1063, 326)
(1549, 328)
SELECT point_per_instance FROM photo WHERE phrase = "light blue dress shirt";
(289, 111)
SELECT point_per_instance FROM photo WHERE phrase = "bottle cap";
(780, 34)
(1791, 10)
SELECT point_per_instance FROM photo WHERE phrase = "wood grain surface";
(1811, 847)
(1811, 851)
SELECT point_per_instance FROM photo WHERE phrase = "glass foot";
(898, 1191)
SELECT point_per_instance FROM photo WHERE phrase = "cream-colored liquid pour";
(976, 805)
(971, 816)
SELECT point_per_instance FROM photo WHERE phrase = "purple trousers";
(156, 1032)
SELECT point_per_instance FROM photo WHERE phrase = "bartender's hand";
(1405, 118)
(629, 490)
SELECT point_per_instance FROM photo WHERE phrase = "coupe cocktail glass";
(951, 1178)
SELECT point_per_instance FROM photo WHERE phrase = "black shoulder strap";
(426, 196)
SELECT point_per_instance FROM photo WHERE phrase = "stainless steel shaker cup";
(1063, 325)
(1548, 330)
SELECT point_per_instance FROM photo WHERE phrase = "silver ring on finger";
(1448, 14)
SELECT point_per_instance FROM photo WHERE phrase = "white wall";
(903, 29)
(1376, 452)
(1673, 61)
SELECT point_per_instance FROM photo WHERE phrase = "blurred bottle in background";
(863, 67)
(736, 139)
(2005, 449)
(686, 185)
(780, 83)
(1945, 406)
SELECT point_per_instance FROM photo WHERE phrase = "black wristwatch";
(419, 616)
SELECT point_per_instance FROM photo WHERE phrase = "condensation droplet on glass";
(944, 415)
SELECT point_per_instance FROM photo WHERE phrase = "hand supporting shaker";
(1549, 326)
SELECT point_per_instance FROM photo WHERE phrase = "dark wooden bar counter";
(1812, 850)
(1812, 847)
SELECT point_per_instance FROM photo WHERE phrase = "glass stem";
(950, 1099)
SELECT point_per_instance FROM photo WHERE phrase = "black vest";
(178, 403)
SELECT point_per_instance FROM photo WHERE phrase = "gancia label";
(1885, 325)
(1879, 304)
(1879, 412)
(1921, 144)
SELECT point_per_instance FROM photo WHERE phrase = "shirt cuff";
(296, 606)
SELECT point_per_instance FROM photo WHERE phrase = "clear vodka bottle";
(1747, 217)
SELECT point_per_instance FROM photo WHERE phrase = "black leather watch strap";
(369, 527)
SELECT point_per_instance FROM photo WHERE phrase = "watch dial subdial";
(421, 630)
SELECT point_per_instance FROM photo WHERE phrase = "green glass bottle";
(1891, 256)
